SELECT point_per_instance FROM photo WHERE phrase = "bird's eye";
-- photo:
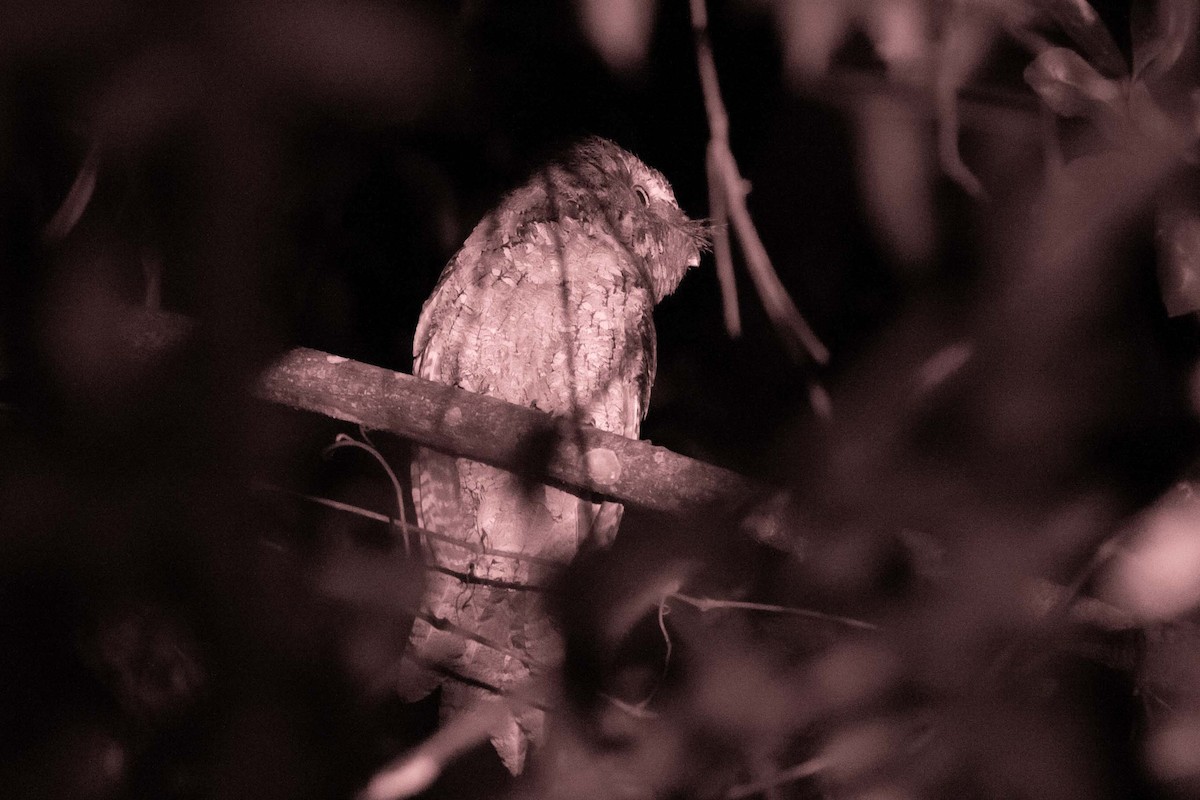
(642, 196)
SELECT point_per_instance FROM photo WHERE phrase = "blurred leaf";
(619, 30)
(146, 95)
(373, 582)
(77, 199)
(896, 173)
(1178, 240)
(718, 213)
(1173, 751)
(812, 32)
(386, 58)
(965, 43)
(1161, 29)
(1085, 27)
(1157, 577)
(1070, 86)
(1155, 122)
(936, 369)
(33, 27)
(900, 32)
(859, 749)
(377, 593)
(1170, 671)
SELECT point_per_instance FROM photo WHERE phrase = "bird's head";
(635, 202)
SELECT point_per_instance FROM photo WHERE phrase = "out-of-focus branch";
(724, 178)
(989, 108)
(722, 252)
(805, 769)
(77, 199)
(962, 51)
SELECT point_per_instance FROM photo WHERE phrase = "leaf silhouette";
(1070, 86)
(1161, 29)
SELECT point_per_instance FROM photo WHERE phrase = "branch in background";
(724, 178)
(722, 252)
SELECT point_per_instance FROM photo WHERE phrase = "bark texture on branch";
(464, 424)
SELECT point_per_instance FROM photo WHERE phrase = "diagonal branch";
(468, 425)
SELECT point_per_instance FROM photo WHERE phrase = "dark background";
(300, 176)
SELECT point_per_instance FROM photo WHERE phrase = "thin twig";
(337, 505)
(723, 170)
(710, 604)
(640, 706)
(662, 626)
(722, 253)
(342, 440)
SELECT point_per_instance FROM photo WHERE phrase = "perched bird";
(548, 304)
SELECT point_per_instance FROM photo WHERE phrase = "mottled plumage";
(548, 304)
